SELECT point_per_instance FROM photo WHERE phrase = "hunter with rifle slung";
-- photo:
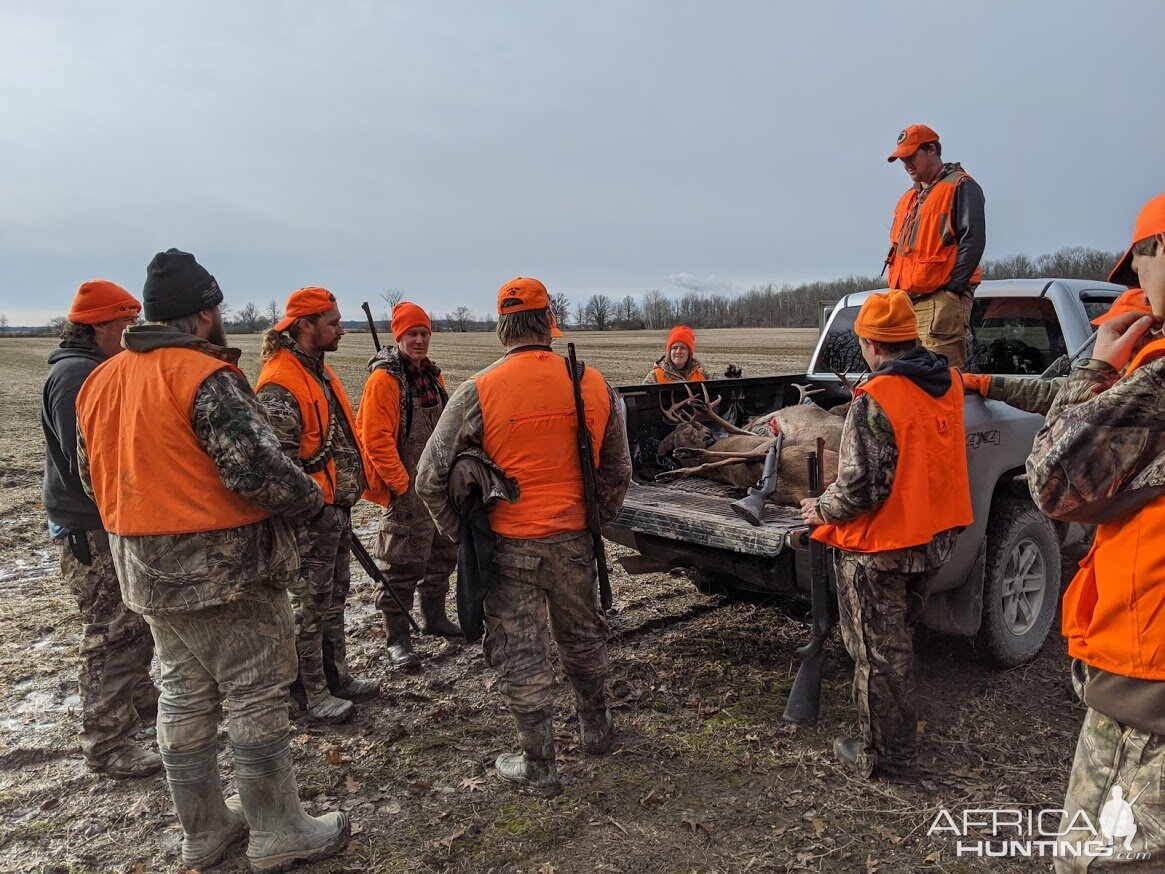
(900, 500)
(521, 416)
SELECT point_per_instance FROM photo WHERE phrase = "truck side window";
(1014, 336)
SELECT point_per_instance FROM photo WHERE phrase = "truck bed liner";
(698, 511)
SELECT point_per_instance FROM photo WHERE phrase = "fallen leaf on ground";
(447, 842)
(473, 784)
(352, 784)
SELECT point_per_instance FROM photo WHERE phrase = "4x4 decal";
(975, 439)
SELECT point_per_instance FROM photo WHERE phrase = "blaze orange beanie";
(682, 334)
(407, 315)
(887, 318)
(100, 300)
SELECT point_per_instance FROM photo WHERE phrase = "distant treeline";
(767, 306)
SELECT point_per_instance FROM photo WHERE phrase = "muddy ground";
(704, 776)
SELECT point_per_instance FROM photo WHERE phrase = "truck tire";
(1021, 583)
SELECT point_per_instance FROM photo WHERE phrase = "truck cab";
(1001, 584)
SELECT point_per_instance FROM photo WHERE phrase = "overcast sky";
(441, 148)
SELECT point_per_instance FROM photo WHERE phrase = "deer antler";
(678, 411)
(844, 381)
(805, 391)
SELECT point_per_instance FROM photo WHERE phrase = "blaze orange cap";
(526, 293)
(887, 318)
(406, 316)
(99, 300)
(305, 302)
(910, 139)
(1133, 300)
(682, 334)
(1150, 222)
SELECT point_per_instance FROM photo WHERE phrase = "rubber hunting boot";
(596, 725)
(340, 680)
(209, 825)
(399, 643)
(433, 618)
(282, 835)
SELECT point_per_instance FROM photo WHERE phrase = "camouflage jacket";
(867, 464)
(460, 429)
(1029, 395)
(182, 573)
(283, 412)
(1103, 443)
(691, 369)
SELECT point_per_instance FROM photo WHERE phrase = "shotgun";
(375, 573)
(586, 462)
(805, 695)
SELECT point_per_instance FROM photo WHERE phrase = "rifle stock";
(374, 572)
(751, 507)
(804, 702)
(586, 456)
(371, 325)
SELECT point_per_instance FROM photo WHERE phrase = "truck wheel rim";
(1024, 584)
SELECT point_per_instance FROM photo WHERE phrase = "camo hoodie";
(183, 573)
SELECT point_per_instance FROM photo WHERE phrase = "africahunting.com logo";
(1046, 833)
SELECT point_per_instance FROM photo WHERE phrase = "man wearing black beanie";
(197, 496)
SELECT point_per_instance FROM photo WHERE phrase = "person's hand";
(975, 383)
(1117, 337)
(809, 512)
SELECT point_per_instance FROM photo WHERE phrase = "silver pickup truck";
(1002, 582)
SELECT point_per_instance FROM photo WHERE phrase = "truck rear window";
(1018, 335)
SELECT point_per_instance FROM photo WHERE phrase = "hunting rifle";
(752, 506)
(371, 325)
(586, 461)
(805, 695)
(375, 573)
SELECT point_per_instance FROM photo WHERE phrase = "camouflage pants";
(944, 324)
(318, 596)
(533, 581)
(1115, 766)
(117, 694)
(878, 611)
(242, 652)
(413, 554)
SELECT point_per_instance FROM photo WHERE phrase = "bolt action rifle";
(805, 695)
(586, 456)
(752, 506)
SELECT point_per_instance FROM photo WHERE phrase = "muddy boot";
(533, 768)
(129, 762)
(330, 710)
(399, 643)
(596, 725)
(281, 833)
(209, 825)
(433, 618)
(340, 681)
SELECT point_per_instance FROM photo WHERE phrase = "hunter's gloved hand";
(976, 383)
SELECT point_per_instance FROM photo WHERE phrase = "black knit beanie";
(177, 286)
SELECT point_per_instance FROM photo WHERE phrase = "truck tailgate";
(697, 511)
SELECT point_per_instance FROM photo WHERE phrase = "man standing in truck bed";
(520, 412)
(936, 242)
(900, 500)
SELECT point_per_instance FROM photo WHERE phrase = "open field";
(704, 776)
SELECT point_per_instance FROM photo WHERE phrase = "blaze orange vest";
(661, 377)
(150, 473)
(1114, 606)
(931, 491)
(284, 369)
(530, 432)
(923, 251)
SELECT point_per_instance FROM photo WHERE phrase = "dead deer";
(738, 458)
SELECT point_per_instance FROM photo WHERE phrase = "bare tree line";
(767, 306)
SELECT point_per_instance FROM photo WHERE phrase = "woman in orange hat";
(678, 362)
